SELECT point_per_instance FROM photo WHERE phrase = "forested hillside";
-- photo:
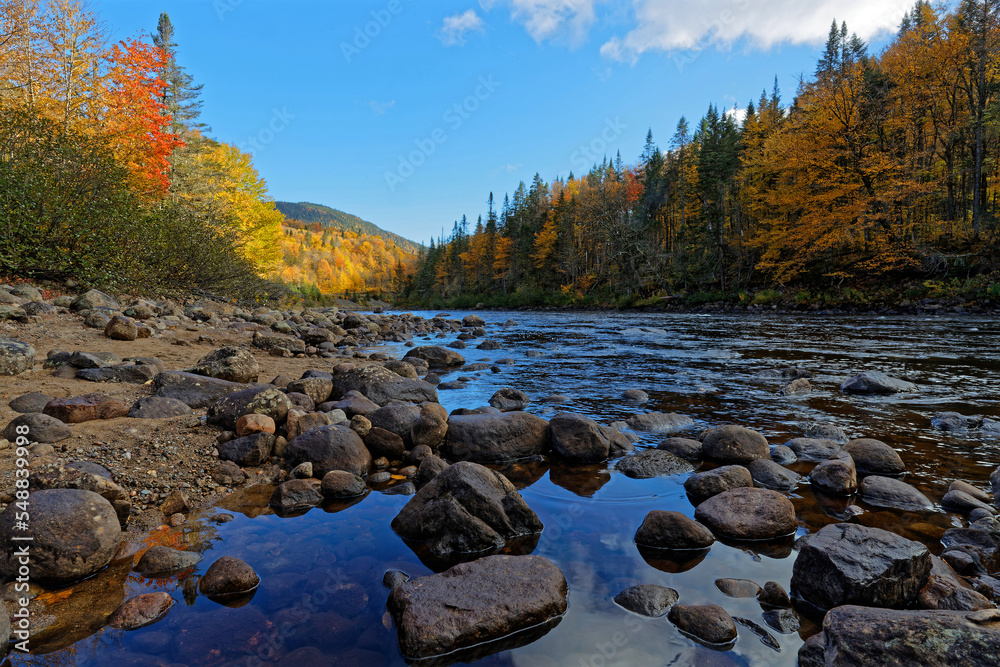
(327, 217)
(879, 175)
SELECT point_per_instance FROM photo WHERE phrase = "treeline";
(319, 261)
(106, 173)
(882, 170)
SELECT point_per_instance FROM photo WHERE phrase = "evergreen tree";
(181, 96)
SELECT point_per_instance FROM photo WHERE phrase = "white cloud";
(551, 19)
(672, 25)
(381, 107)
(452, 32)
(737, 114)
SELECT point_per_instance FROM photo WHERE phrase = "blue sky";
(409, 113)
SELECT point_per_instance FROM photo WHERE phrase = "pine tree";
(180, 96)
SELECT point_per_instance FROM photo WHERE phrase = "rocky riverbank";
(150, 419)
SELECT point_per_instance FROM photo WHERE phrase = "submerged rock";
(852, 564)
(710, 623)
(672, 530)
(891, 492)
(140, 611)
(228, 576)
(748, 514)
(659, 422)
(647, 599)
(685, 448)
(651, 463)
(735, 444)
(874, 382)
(813, 449)
(476, 602)
(508, 399)
(466, 508)
(770, 475)
(159, 560)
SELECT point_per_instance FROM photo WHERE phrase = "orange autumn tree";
(136, 121)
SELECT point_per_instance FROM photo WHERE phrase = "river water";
(321, 571)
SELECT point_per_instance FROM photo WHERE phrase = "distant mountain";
(331, 217)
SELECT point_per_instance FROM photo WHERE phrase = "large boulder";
(67, 477)
(95, 299)
(398, 418)
(15, 357)
(74, 533)
(847, 563)
(579, 439)
(197, 391)
(854, 636)
(381, 385)
(435, 355)
(431, 427)
(651, 463)
(874, 382)
(672, 530)
(495, 437)
(473, 603)
(874, 457)
(748, 514)
(41, 428)
(89, 407)
(735, 444)
(235, 364)
(330, 448)
(466, 508)
(269, 401)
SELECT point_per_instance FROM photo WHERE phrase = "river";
(703, 366)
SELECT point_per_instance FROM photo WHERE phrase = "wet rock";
(161, 560)
(94, 299)
(813, 449)
(89, 407)
(296, 494)
(140, 611)
(27, 403)
(264, 400)
(579, 439)
(429, 468)
(495, 437)
(774, 595)
(197, 391)
(785, 621)
(473, 321)
(66, 477)
(784, 373)
(709, 623)
(489, 345)
(796, 387)
(436, 356)
(476, 602)
(635, 396)
(508, 399)
(647, 599)
(704, 485)
(430, 428)
(735, 444)
(748, 514)
(466, 508)
(836, 476)
(330, 448)
(846, 564)
(381, 385)
(874, 382)
(41, 428)
(827, 432)
(952, 421)
(874, 457)
(381, 442)
(659, 422)
(228, 576)
(393, 578)
(685, 448)
(783, 455)
(120, 327)
(891, 492)
(155, 407)
(250, 450)
(232, 363)
(770, 475)
(74, 534)
(947, 593)
(995, 483)
(651, 463)
(672, 530)
(339, 484)
(855, 635)
(974, 491)
(960, 501)
(982, 545)
(738, 588)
